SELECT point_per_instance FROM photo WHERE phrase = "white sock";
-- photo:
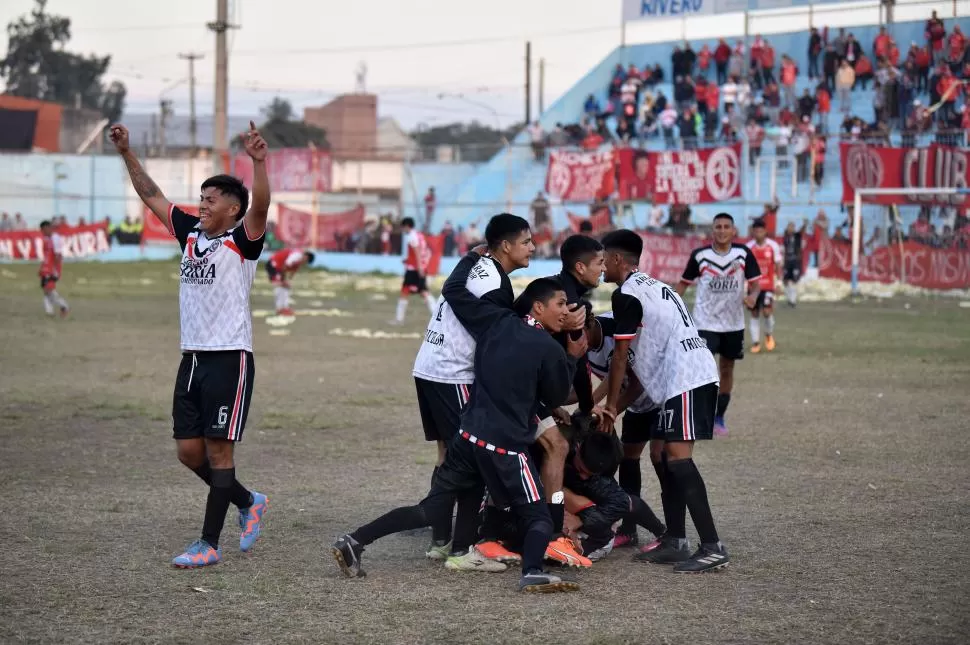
(770, 325)
(48, 304)
(792, 293)
(57, 300)
(755, 330)
(282, 297)
(402, 307)
(428, 298)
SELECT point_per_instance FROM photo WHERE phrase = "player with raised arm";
(792, 244)
(214, 384)
(444, 368)
(725, 275)
(417, 257)
(767, 253)
(673, 365)
(50, 270)
(280, 268)
(517, 364)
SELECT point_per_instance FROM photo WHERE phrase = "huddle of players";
(491, 377)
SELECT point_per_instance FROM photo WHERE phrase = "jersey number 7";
(674, 298)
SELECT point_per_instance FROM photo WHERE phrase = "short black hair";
(626, 242)
(233, 187)
(600, 453)
(726, 216)
(607, 325)
(758, 223)
(502, 227)
(540, 290)
(46, 222)
(578, 248)
(310, 257)
(408, 221)
(586, 226)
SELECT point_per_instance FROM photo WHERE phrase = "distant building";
(31, 125)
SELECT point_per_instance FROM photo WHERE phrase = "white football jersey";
(721, 280)
(447, 354)
(215, 279)
(599, 359)
(668, 355)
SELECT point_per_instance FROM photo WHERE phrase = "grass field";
(843, 491)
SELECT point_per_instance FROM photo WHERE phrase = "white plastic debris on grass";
(329, 313)
(379, 296)
(11, 274)
(280, 321)
(307, 293)
(279, 332)
(371, 334)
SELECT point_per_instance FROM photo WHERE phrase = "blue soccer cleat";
(251, 521)
(199, 554)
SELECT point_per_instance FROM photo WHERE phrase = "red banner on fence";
(296, 227)
(79, 242)
(680, 176)
(579, 176)
(665, 256)
(676, 177)
(935, 166)
(153, 230)
(925, 266)
(600, 220)
(289, 169)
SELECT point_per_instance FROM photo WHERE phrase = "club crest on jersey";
(198, 254)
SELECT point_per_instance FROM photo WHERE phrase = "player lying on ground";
(517, 363)
(417, 257)
(768, 255)
(722, 273)
(214, 384)
(280, 268)
(50, 270)
(673, 365)
(641, 416)
(444, 368)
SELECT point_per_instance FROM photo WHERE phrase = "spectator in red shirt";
(880, 46)
(893, 54)
(700, 95)
(818, 156)
(948, 88)
(863, 70)
(935, 35)
(922, 59)
(704, 60)
(721, 57)
(824, 101)
(789, 74)
(768, 63)
(430, 203)
(956, 43)
(756, 135)
(757, 48)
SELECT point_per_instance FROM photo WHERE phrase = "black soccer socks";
(691, 486)
(216, 506)
(675, 510)
(722, 404)
(630, 482)
(240, 496)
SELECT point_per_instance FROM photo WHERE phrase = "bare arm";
(255, 219)
(147, 190)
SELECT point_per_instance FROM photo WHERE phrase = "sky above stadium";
(309, 51)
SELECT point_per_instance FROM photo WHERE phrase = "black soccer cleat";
(542, 582)
(709, 557)
(346, 552)
(670, 551)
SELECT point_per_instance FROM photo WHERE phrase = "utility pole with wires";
(221, 116)
(528, 82)
(193, 125)
(542, 85)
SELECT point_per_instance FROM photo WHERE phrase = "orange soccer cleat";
(563, 551)
(496, 551)
(770, 343)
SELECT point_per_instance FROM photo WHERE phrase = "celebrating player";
(768, 255)
(50, 270)
(444, 368)
(673, 365)
(721, 271)
(417, 257)
(793, 260)
(517, 363)
(280, 268)
(214, 385)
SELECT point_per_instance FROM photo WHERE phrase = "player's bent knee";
(633, 450)
(191, 453)
(678, 450)
(554, 443)
(220, 452)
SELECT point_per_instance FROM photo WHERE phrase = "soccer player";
(793, 260)
(417, 256)
(721, 272)
(214, 384)
(50, 270)
(280, 268)
(768, 255)
(444, 368)
(517, 364)
(673, 365)
(582, 268)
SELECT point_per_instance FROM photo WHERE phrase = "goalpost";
(857, 219)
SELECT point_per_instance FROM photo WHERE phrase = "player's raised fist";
(119, 136)
(255, 145)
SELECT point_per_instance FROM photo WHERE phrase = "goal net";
(919, 237)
